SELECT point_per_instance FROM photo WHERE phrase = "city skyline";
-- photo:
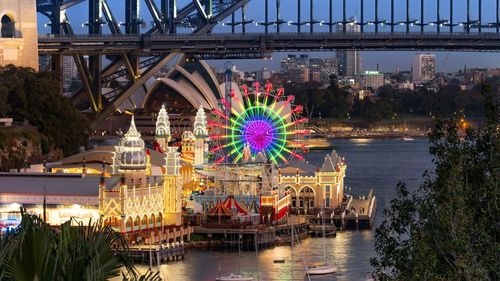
(445, 61)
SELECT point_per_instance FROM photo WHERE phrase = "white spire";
(132, 130)
(200, 123)
(163, 123)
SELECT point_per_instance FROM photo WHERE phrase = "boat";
(326, 268)
(234, 277)
(407, 139)
(322, 270)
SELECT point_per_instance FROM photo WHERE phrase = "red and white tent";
(233, 205)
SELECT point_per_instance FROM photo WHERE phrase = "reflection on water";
(361, 141)
(379, 164)
(204, 265)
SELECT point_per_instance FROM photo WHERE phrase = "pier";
(249, 238)
(359, 213)
(157, 254)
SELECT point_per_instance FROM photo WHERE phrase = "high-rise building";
(349, 61)
(263, 75)
(70, 72)
(423, 68)
(371, 79)
(302, 69)
(44, 62)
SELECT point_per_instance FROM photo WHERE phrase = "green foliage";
(35, 251)
(448, 228)
(330, 102)
(28, 95)
(335, 102)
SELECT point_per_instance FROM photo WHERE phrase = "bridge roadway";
(255, 45)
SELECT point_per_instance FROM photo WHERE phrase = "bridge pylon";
(18, 36)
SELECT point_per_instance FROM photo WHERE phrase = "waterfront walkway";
(359, 213)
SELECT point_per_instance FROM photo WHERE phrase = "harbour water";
(376, 164)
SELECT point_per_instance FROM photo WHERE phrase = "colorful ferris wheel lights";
(261, 120)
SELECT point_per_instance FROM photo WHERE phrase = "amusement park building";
(311, 187)
(138, 190)
(131, 188)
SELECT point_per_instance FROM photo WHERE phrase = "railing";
(302, 35)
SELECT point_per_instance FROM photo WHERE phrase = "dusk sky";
(387, 60)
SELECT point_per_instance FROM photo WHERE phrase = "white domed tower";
(162, 133)
(201, 135)
(131, 157)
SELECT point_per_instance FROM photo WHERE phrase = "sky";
(387, 60)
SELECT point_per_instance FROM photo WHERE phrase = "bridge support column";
(498, 16)
(233, 23)
(243, 18)
(467, 24)
(95, 28)
(311, 16)
(438, 21)
(172, 15)
(266, 16)
(362, 19)
(344, 16)
(132, 27)
(330, 23)
(451, 16)
(407, 16)
(392, 16)
(55, 17)
(278, 20)
(132, 16)
(480, 15)
(299, 23)
(422, 19)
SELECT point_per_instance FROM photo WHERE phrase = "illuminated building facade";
(135, 190)
(162, 132)
(423, 68)
(201, 137)
(141, 201)
(311, 187)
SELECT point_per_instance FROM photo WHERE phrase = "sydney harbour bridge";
(140, 43)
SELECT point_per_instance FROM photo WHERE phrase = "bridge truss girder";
(203, 14)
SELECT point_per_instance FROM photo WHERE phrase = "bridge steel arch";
(189, 29)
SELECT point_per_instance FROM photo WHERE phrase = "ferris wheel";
(257, 121)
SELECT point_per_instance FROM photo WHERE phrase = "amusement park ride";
(255, 131)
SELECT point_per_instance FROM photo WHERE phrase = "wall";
(22, 50)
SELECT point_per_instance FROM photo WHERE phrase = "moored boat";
(326, 268)
(234, 277)
(322, 270)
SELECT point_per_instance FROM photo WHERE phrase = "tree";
(448, 228)
(35, 251)
(34, 96)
